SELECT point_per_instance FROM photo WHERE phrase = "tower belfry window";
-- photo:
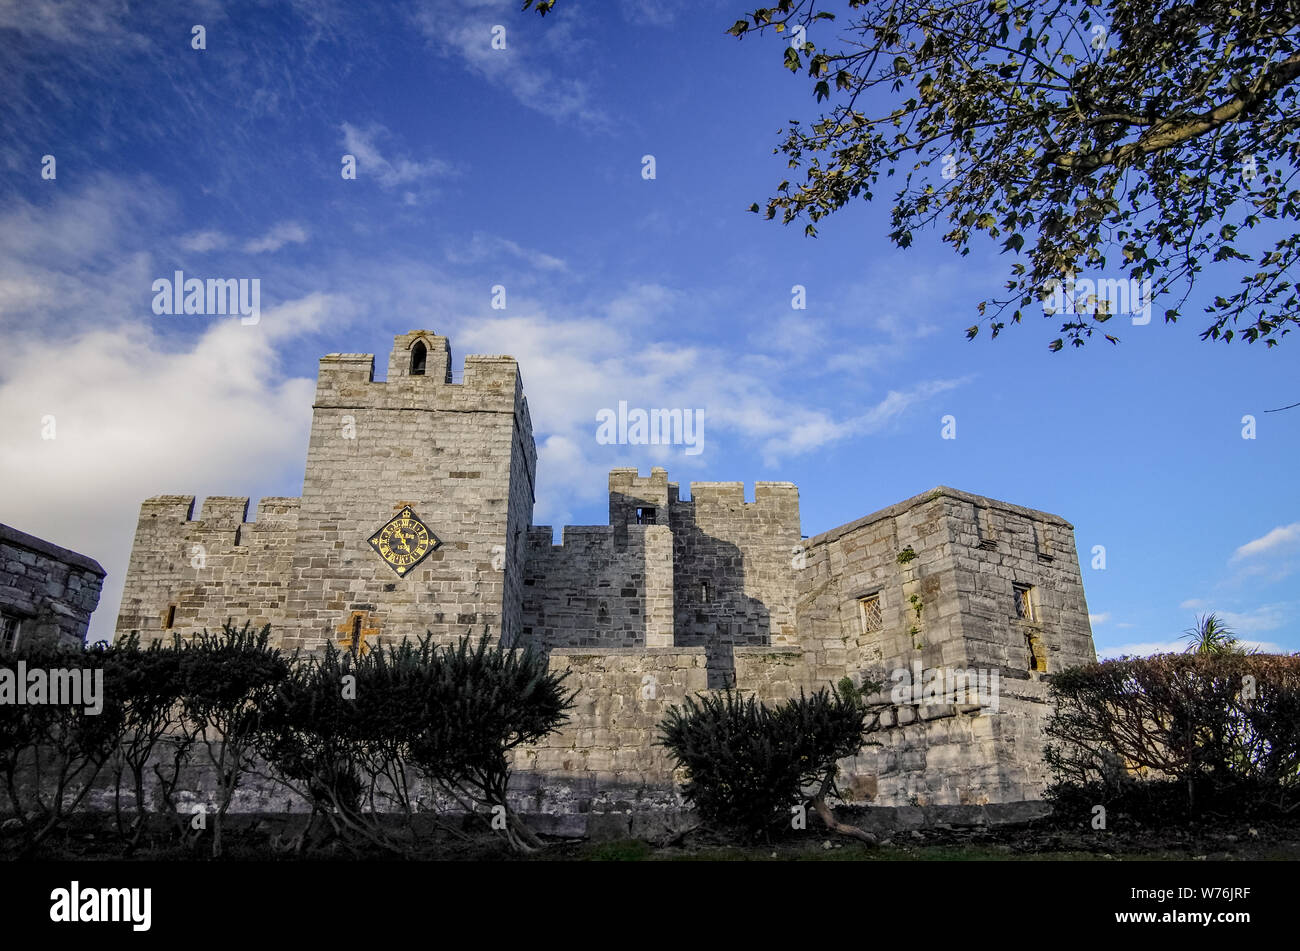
(419, 354)
(645, 516)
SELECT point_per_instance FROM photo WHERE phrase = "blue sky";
(522, 167)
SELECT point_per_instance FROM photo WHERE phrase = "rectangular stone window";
(171, 617)
(704, 592)
(1025, 603)
(869, 611)
(9, 625)
(645, 516)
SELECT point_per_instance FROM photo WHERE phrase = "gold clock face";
(404, 542)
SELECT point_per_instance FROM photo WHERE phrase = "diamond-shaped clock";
(404, 542)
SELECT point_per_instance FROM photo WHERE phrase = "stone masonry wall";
(200, 572)
(455, 453)
(49, 590)
(947, 753)
(589, 592)
(610, 741)
(733, 575)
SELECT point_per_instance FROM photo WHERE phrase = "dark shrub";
(748, 764)
(226, 680)
(473, 706)
(51, 753)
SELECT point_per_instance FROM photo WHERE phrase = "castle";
(416, 515)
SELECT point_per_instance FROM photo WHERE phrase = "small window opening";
(171, 617)
(356, 629)
(704, 592)
(8, 632)
(645, 516)
(419, 354)
(872, 618)
(1025, 603)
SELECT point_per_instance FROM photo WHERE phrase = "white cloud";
(1147, 648)
(1141, 649)
(575, 367)
(1282, 538)
(484, 247)
(464, 30)
(67, 22)
(141, 405)
(288, 232)
(1266, 617)
(147, 418)
(389, 172)
(1095, 619)
(201, 242)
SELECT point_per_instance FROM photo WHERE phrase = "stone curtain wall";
(589, 592)
(52, 590)
(209, 569)
(608, 746)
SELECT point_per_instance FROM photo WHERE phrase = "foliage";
(148, 685)
(747, 764)
(336, 731)
(1212, 636)
(51, 753)
(474, 706)
(1158, 140)
(1219, 723)
(226, 679)
(353, 734)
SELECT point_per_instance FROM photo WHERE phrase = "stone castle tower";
(416, 515)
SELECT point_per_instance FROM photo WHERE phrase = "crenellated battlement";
(420, 377)
(178, 508)
(219, 511)
(586, 538)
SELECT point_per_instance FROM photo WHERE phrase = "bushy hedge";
(64, 746)
(353, 734)
(748, 765)
(1221, 728)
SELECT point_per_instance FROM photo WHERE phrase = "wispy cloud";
(1281, 539)
(201, 242)
(390, 172)
(484, 247)
(1140, 649)
(289, 232)
(523, 69)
